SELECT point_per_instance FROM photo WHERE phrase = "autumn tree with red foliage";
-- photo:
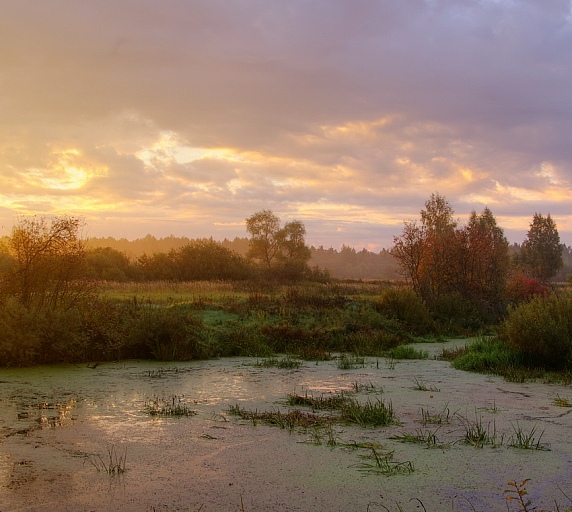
(439, 258)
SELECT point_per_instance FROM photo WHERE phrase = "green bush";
(405, 305)
(456, 315)
(542, 330)
(167, 334)
(488, 355)
(29, 336)
(241, 339)
(20, 339)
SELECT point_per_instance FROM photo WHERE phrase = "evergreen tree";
(541, 252)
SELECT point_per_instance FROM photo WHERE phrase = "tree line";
(461, 278)
(444, 261)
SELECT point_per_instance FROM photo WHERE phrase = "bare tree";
(49, 256)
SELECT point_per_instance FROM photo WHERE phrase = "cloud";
(346, 115)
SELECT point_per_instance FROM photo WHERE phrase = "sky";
(185, 117)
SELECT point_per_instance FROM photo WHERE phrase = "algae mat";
(61, 427)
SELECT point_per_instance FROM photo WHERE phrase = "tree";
(109, 264)
(441, 259)
(424, 252)
(207, 260)
(263, 227)
(292, 243)
(49, 259)
(283, 249)
(541, 252)
(485, 259)
(409, 251)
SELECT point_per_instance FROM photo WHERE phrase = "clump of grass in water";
(440, 418)
(478, 434)
(330, 402)
(562, 402)
(421, 386)
(407, 352)
(324, 435)
(527, 440)
(370, 414)
(113, 465)
(163, 407)
(383, 464)
(426, 437)
(292, 419)
(350, 363)
(286, 363)
(450, 354)
(358, 387)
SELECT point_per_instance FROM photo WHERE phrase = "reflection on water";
(112, 397)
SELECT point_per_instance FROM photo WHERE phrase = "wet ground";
(62, 427)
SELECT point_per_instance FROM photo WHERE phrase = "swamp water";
(63, 427)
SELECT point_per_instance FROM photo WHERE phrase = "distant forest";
(346, 263)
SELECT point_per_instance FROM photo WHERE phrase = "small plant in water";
(478, 434)
(383, 464)
(113, 465)
(286, 363)
(324, 434)
(526, 440)
(518, 492)
(421, 386)
(562, 402)
(330, 402)
(439, 418)
(426, 437)
(172, 407)
(291, 419)
(370, 387)
(371, 413)
(350, 363)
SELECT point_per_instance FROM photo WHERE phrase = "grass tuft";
(285, 363)
(527, 440)
(370, 414)
(562, 402)
(383, 464)
(329, 402)
(113, 464)
(173, 407)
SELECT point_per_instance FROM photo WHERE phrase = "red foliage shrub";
(521, 288)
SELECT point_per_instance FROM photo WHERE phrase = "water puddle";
(62, 426)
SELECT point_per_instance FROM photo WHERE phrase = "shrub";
(454, 314)
(521, 288)
(405, 305)
(240, 339)
(488, 355)
(29, 336)
(542, 330)
(19, 334)
(167, 334)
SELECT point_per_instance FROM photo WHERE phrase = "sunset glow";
(346, 116)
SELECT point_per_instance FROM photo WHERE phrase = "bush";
(239, 339)
(19, 335)
(405, 305)
(542, 330)
(488, 355)
(167, 334)
(456, 315)
(521, 288)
